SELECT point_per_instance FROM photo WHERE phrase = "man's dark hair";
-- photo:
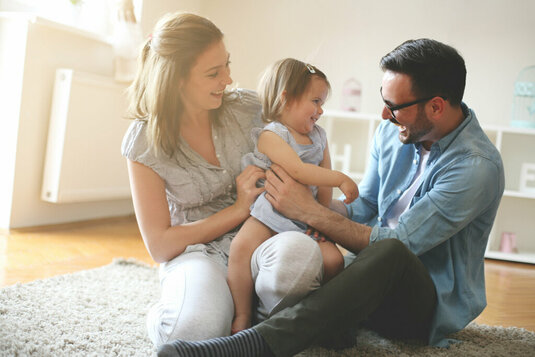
(434, 68)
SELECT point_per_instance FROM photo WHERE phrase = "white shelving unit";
(350, 135)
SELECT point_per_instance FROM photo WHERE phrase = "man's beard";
(421, 127)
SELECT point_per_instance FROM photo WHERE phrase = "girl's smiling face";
(301, 114)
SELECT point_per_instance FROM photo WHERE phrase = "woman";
(183, 152)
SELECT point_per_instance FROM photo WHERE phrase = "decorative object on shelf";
(524, 99)
(527, 178)
(508, 243)
(77, 4)
(76, 12)
(351, 95)
(127, 39)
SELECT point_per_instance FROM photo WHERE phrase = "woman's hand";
(246, 187)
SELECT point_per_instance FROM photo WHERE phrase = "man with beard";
(417, 232)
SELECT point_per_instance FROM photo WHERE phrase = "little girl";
(292, 95)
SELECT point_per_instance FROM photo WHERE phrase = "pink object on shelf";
(508, 243)
(351, 95)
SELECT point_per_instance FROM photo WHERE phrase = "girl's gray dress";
(261, 209)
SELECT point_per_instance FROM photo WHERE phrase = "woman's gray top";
(196, 189)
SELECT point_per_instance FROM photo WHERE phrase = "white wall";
(12, 49)
(38, 47)
(152, 10)
(347, 38)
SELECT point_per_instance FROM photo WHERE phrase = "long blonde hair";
(165, 60)
(287, 75)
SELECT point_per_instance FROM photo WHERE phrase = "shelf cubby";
(351, 135)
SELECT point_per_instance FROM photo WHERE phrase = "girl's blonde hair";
(289, 76)
(165, 60)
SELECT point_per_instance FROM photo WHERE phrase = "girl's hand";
(350, 189)
(247, 191)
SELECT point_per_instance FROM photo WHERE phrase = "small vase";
(508, 243)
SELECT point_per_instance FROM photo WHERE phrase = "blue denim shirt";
(450, 217)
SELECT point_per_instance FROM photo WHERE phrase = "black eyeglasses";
(393, 108)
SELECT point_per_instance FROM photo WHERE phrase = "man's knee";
(387, 254)
(392, 247)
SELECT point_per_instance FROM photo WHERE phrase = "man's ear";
(437, 107)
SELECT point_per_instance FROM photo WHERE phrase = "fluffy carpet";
(101, 312)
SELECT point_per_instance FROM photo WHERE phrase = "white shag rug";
(101, 312)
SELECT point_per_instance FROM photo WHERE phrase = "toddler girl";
(292, 95)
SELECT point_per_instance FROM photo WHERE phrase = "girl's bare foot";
(241, 322)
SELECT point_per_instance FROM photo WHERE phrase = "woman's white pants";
(196, 302)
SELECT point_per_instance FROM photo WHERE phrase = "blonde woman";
(190, 197)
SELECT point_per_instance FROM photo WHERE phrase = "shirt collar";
(445, 142)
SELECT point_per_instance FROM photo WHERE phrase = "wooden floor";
(42, 252)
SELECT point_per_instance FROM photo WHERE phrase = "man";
(419, 228)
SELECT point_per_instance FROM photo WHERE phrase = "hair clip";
(310, 68)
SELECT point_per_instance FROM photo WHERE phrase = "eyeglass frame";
(405, 105)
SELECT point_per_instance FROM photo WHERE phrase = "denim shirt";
(449, 218)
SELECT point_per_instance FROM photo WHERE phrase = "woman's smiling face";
(207, 80)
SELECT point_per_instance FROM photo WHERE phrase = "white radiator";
(83, 158)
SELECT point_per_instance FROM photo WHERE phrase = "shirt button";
(379, 219)
(224, 171)
(414, 161)
(218, 156)
(398, 191)
(215, 137)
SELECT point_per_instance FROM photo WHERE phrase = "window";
(95, 16)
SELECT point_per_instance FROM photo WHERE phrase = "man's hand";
(295, 201)
(291, 198)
